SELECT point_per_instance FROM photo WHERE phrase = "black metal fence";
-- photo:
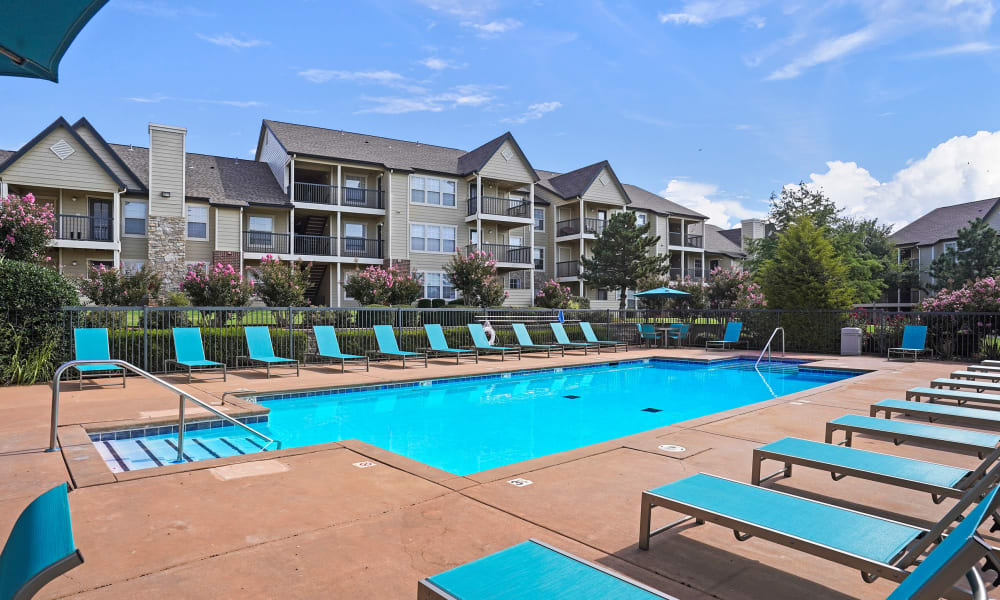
(142, 335)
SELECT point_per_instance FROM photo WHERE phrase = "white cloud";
(228, 40)
(439, 64)
(460, 8)
(494, 28)
(157, 98)
(710, 201)
(161, 9)
(535, 111)
(324, 75)
(459, 96)
(967, 48)
(826, 51)
(756, 22)
(705, 12)
(961, 169)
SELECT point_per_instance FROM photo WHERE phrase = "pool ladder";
(53, 443)
(767, 346)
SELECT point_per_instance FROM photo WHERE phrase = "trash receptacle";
(850, 341)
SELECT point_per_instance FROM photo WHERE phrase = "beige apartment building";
(341, 201)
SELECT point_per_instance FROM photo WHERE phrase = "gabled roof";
(718, 243)
(646, 200)
(576, 183)
(943, 223)
(475, 160)
(61, 122)
(83, 122)
(733, 235)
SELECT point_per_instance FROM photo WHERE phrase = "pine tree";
(805, 272)
(974, 256)
(623, 255)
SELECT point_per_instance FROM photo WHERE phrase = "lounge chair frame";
(958, 383)
(458, 353)
(250, 361)
(918, 409)
(899, 438)
(181, 365)
(913, 352)
(96, 373)
(721, 344)
(571, 345)
(503, 350)
(401, 354)
(342, 357)
(548, 348)
(600, 343)
(960, 397)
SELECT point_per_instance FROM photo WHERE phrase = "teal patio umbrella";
(34, 34)
(662, 292)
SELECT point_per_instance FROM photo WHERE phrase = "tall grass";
(26, 366)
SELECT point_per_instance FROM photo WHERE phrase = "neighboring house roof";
(943, 223)
(717, 242)
(733, 235)
(646, 200)
(218, 179)
(5, 154)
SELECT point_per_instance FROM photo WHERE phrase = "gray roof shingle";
(717, 242)
(943, 223)
(733, 235)
(646, 200)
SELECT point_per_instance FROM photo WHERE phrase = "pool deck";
(309, 523)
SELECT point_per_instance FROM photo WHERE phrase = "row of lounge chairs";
(92, 344)
(927, 563)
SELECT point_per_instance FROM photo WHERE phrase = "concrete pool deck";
(308, 523)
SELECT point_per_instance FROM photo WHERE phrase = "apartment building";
(341, 201)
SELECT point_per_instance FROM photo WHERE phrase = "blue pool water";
(468, 426)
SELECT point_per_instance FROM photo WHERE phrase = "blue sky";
(891, 106)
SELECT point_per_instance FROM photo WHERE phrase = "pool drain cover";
(653, 410)
(519, 482)
(672, 448)
(364, 464)
(571, 397)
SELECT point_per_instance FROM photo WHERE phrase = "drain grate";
(652, 410)
(571, 396)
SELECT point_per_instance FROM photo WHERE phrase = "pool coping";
(87, 467)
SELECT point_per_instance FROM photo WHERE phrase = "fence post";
(291, 328)
(145, 338)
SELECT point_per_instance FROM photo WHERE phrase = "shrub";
(475, 278)
(425, 302)
(26, 362)
(26, 228)
(805, 272)
(176, 299)
(281, 284)
(697, 297)
(438, 303)
(113, 287)
(981, 295)
(732, 288)
(552, 295)
(218, 285)
(576, 302)
(378, 286)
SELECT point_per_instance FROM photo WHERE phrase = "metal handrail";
(767, 346)
(181, 394)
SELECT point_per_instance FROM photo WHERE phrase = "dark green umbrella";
(34, 34)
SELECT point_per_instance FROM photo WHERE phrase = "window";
(515, 282)
(516, 240)
(354, 189)
(354, 237)
(640, 218)
(539, 219)
(950, 246)
(713, 264)
(602, 215)
(437, 285)
(602, 294)
(473, 237)
(539, 259)
(95, 263)
(432, 238)
(262, 224)
(135, 218)
(197, 222)
(132, 265)
(432, 190)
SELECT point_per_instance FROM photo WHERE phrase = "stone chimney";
(165, 232)
(752, 229)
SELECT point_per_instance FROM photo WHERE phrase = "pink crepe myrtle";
(26, 227)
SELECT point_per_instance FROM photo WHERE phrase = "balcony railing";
(319, 193)
(503, 207)
(676, 238)
(266, 242)
(594, 226)
(675, 273)
(84, 228)
(572, 226)
(505, 253)
(568, 268)
(356, 247)
(316, 245)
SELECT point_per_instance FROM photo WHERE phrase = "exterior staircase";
(315, 282)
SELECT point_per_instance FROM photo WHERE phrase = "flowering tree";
(26, 227)
(981, 295)
(732, 288)
(281, 284)
(552, 295)
(475, 277)
(216, 285)
(113, 287)
(376, 285)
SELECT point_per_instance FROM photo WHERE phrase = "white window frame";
(188, 221)
(641, 218)
(441, 239)
(145, 218)
(250, 219)
(442, 182)
(440, 286)
(132, 265)
(535, 219)
(542, 257)
(950, 245)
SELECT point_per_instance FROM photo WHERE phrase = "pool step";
(763, 367)
(146, 453)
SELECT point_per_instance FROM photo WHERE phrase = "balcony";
(502, 253)
(318, 193)
(573, 227)
(676, 238)
(516, 208)
(263, 242)
(568, 268)
(85, 229)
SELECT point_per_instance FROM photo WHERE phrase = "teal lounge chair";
(957, 382)
(940, 481)
(261, 351)
(876, 546)
(439, 345)
(386, 340)
(591, 337)
(958, 396)
(482, 344)
(328, 347)
(190, 352)
(563, 340)
(985, 370)
(40, 546)
(731, 337)
(649, 334)
(92, 344)
(949, 438)
(525, 342)
(914, 338)
(533, 570)
(975, 417)
(679, 332)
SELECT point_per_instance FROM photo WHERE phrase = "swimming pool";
(471, 424)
